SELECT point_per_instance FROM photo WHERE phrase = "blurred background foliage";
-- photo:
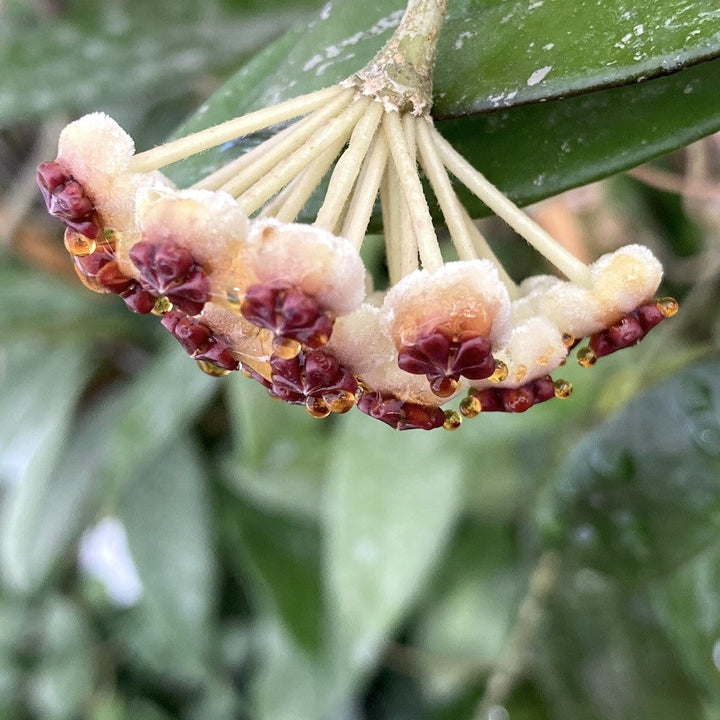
(178, 546)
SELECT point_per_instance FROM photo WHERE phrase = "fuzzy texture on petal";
(362, 342)
(625, 279)
(97, 152)
(535, 348)
(244, 339)
(321, 264)
(207, 224)
(462, 296)
(621, 282)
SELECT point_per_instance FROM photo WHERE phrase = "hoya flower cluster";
(242, 286)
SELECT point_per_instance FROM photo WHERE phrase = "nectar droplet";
(668, 306)
(317, 407)
(568, 340)
(286, 348)
(212, 369)
(444, 387)
(586, 357)
(77, 244)
(162, 305)
(563, 388)
(501, 372)
(453, 420)
(470, 406)
(233, 298)
(340, 403)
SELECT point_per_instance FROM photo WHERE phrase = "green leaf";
(602, 656)
(98, 53)
(157, 408)
(41, 510)
(279, 457)
(470, 610)
(489, 58)
(501, 54)
(688, 608)
(37, 306)
(392, 499)
(61, 682)
(167, 517)
(282, 555)
(642, 492)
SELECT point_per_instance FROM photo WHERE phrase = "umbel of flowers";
(243, 287)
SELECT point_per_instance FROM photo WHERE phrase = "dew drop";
(501, 372)
(162, 305)
(586, 357)
(584, 535)
(668, 306)
(233, 298)
(78, 245)
(286, 348)
(498, 712)
(453, 420)
(708, 440)
(470, 406)
(340, 402)
(563, 388)
(317, 407)
(212, 369)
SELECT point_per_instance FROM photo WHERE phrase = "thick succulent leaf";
(167, 515)
(390, 506)
(527, 52)
(279, 455)
(96, 53)
(688, 607)
(36, 421)
(158, 407)
(281, 556)
(642, 492)
(602, 655)
(554, 48)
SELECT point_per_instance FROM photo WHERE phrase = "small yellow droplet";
(586, 357)
(317, 407)
(568, 340)
(501, 372)
(445, 387)
(470, 406)
(286, 348)
(452, 420)
(233, 298)
(77, 244)
(340, 402)
(563, 388)
(668, 306)
(212, 368)
(162, 305)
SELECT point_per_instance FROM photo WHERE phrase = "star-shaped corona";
(244, 287)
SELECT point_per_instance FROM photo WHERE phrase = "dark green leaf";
(471, 609)
(642, 492)
(392, 499)
(601, 655)
(105, 53)
(280, 457)
(529, 151)
(688, 607)
(282, 555)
